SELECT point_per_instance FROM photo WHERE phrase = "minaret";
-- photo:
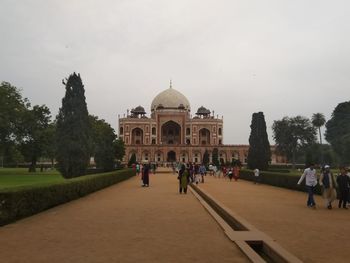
(171, 84)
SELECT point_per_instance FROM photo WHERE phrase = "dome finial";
(171, 84)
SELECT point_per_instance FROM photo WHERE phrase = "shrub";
(284, 180)
(20, 202)
(279, 170)
(286, 166)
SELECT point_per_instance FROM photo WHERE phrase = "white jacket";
(311, 177)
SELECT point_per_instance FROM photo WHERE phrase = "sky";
(236, 57)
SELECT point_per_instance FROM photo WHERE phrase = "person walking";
(215, 171)
(310, 181)
(224, 171)
(236, 172)
(183, 179)
(329, 184)
(230, 174)
(138, 169)
(173, 166)
(256, 176)
(192, 175)
(202, 172)
(145, 175)
(343, 181)
(197, 175)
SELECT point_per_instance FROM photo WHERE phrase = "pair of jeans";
(310, 200)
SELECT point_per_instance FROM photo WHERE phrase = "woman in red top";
(236, 172)
(224, 171)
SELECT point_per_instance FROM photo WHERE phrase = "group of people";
(229, 172)
(329, 183)
(194, 173)
(190, 173)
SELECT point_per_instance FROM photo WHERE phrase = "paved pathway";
(319, 235)
(123, 223)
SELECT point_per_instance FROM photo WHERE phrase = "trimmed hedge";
(286, 166)
(278, 170)
(278, 179)
(20, 202)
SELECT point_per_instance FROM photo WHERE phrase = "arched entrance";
(184, 157)
(204, 136)
(171, 133)
(171, 156)
(137, 136)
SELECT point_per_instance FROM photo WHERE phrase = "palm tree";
(318, 120)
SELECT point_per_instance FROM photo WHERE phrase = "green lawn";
(14, 177)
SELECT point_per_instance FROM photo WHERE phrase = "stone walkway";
(319, 235)
(123, 223)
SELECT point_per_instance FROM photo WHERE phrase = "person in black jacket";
(343, 183)
(183, 179)
(145, 175)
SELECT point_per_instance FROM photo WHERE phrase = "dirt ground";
(123, 223)
(319, 235)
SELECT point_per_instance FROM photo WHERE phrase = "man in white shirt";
(256, 175)
(310, 182)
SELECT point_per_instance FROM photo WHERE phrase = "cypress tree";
(216, 157)
(206, 158)
(73, 130)
(259, 153)
(132, 160)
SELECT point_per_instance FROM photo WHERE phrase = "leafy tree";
(73, 130)
(206, 158)
(318, 120)
(215, 157)
(119, 148)
(317, 153)
(259, 154)
(12, 109)
(132, 160)
(292, 134)
(235, 162)
(338, 131)
(49, 149)
(103, 137)
(36, 136)
(13, 155)
(23, 130)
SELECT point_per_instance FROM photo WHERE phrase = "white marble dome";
(170, 99)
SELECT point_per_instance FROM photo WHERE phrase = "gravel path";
(319, 235)
(123, 223)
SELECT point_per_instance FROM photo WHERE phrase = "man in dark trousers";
(343, 181)
(145, 175)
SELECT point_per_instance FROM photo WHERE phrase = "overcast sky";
(282, 57)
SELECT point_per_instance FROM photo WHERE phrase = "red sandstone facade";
(171, 134)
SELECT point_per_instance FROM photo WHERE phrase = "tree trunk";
(322, 159)
(293, 159)
(32, 167)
